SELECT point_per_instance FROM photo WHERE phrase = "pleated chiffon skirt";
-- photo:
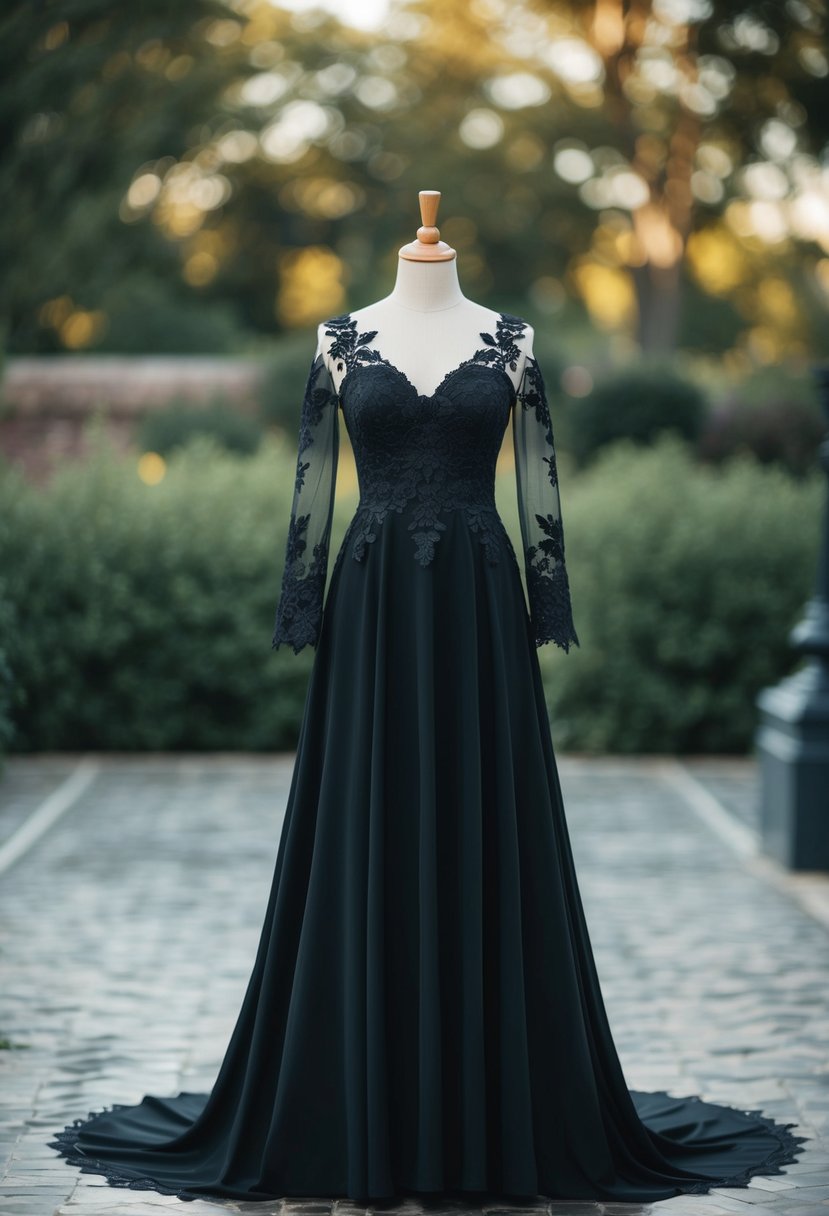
(424, 1014)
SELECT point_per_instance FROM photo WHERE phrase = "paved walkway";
(131, 897)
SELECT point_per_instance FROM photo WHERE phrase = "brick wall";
(48, 399)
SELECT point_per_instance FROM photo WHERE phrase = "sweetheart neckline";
(380, 361)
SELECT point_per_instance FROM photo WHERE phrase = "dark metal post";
(793, 736)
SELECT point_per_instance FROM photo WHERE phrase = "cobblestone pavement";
(713, 964)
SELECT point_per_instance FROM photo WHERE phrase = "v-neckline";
(381, 361)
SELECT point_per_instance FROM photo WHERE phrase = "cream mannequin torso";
(425, 326)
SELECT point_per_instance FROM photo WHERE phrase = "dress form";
(425, 325)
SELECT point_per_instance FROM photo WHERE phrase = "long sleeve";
(299, 611)
(539, 510)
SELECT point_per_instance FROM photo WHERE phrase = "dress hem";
(786, 1152)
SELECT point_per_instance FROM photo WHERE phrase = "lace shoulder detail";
(350, 349)
(539, 509)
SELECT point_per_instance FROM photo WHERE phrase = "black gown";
(424, 1014)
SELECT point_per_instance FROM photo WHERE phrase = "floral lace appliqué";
(299, 612)
(422, 458)
(548, 588)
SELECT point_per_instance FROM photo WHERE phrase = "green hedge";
(139, 617)
(7, 684)
(146, 611)
(686, 581)
(639, 403)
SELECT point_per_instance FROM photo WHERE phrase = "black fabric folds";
(424, 1014)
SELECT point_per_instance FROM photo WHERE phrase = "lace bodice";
(424, 454)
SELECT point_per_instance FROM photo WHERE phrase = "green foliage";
(149, 609)
(175, 425)
(686, 582)
(636, 403)
(284, 375)
(157, 314)
(87, 99)
(7, 685)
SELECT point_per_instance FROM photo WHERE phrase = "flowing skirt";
(424, 1014)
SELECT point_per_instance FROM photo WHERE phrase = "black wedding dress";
(424, 1014)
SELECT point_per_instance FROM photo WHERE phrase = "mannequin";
(426, 316)
(424, 1015)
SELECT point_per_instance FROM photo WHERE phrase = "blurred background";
(189, 188)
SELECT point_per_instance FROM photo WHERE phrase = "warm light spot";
(608, 26)
(764, 344)
(262, 25)
(151, 468)
(777, 139)
(629, 189)
(179, 67)
(588, 96)
(56, 35)
(607, 292)
(657, 236)
(573, 164)
(264, 89)
(716, 260)
(223, 32)
(200, 269)
(144, 190)
(178, 219)
(706, 187)
(299, 124)
(237, 146)
(152, 55)
(629, 248)
(714, 159)
(324, 197)
(517, 90)
(768, 222)
(525, 152)
(814, 60)
(574, 61)
(310, 285)
(376, 92)
(765, 180)
(809, 215)
(481, 128)
(54, 312)
(777, 302)
(82, 328)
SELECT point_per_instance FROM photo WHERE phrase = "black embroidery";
(548, 588)
(434, 452)
(425, 454)
(299, 612)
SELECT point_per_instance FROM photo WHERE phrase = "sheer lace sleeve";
(299, 611)
(539, 510)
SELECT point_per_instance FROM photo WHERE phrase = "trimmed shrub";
(7, 686)
(144, 613)
(686, 582)
(635, 403)
(149, 609)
